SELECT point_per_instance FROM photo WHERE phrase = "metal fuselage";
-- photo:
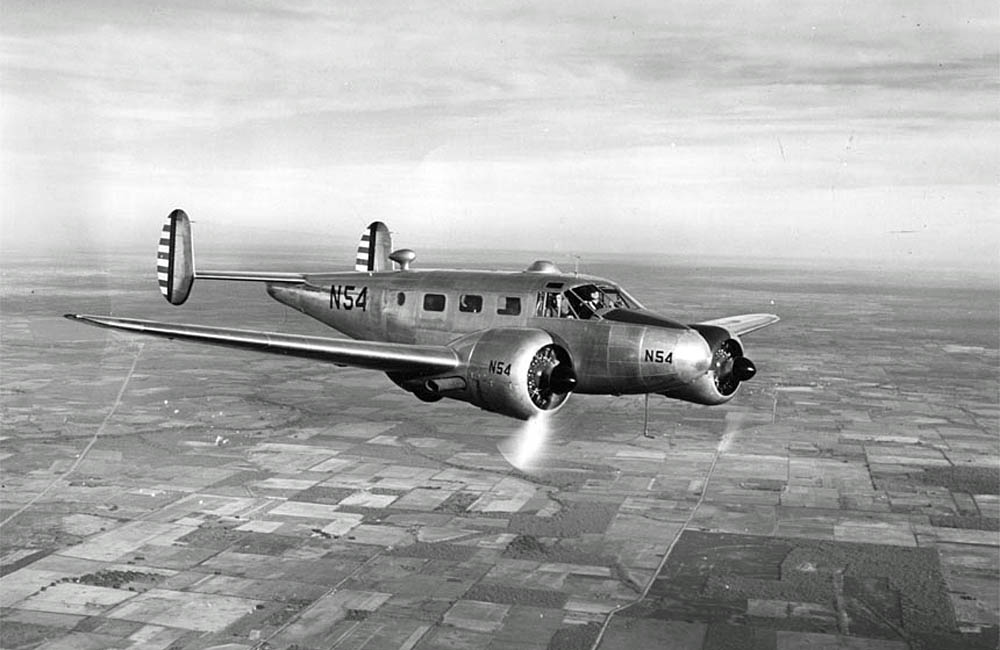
(624, 352)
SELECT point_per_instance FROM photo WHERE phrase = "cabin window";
(470, 304)
(550, 304)
(509, 306)
(400, 298)
(433, 302)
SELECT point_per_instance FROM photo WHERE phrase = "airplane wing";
(744, 323)
(387, 357)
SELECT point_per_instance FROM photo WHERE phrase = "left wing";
(374, 355)
(744, 323)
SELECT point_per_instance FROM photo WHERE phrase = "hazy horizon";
(818, 132)
(313, 257)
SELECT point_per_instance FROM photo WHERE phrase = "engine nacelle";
(728, 369)
(519, 372)
(701, 391)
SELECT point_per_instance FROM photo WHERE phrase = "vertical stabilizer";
(374, 249)
(175, 259)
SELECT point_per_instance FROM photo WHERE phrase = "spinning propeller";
(730, 367)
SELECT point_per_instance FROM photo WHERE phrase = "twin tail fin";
(175, 258)
(374, 249)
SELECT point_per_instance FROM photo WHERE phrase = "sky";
(815, 130)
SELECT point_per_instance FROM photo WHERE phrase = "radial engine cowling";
(519, 372)
(728, 369)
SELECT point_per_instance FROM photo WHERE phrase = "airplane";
(514, 343)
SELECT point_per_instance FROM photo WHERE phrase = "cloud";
(645, 113)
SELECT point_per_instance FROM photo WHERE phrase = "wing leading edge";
(744, 323)
(387, 357)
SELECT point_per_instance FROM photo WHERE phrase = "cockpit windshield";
(592, 300)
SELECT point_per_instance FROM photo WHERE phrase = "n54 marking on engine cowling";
(658, 356)
(500, 367)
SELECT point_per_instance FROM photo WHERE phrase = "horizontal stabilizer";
(387, 357)
(252, 276)
(175, 270)
(743, 324)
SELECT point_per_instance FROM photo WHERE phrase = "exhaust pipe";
(445, 384)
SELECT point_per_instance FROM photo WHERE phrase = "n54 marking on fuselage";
(347, 296)
(517, 343)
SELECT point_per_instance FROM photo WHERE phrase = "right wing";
(373, 355)
(744, 323)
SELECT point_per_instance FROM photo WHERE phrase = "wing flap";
(744, 323)
(387, 357)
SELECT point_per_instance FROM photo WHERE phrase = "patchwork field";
(167, 495)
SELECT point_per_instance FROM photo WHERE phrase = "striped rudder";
(374, 248)
(174, 258)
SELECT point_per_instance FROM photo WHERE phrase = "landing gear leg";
(645, 417)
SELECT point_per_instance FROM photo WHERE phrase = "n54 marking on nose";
(658, 356)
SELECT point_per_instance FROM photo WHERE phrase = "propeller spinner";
(730, 367)
(550, 379)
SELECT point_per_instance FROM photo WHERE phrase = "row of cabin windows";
(468, 303)
(583, 301)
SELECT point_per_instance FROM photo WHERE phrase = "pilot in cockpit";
(592, 303)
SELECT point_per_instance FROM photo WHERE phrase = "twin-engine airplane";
(516, 343)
